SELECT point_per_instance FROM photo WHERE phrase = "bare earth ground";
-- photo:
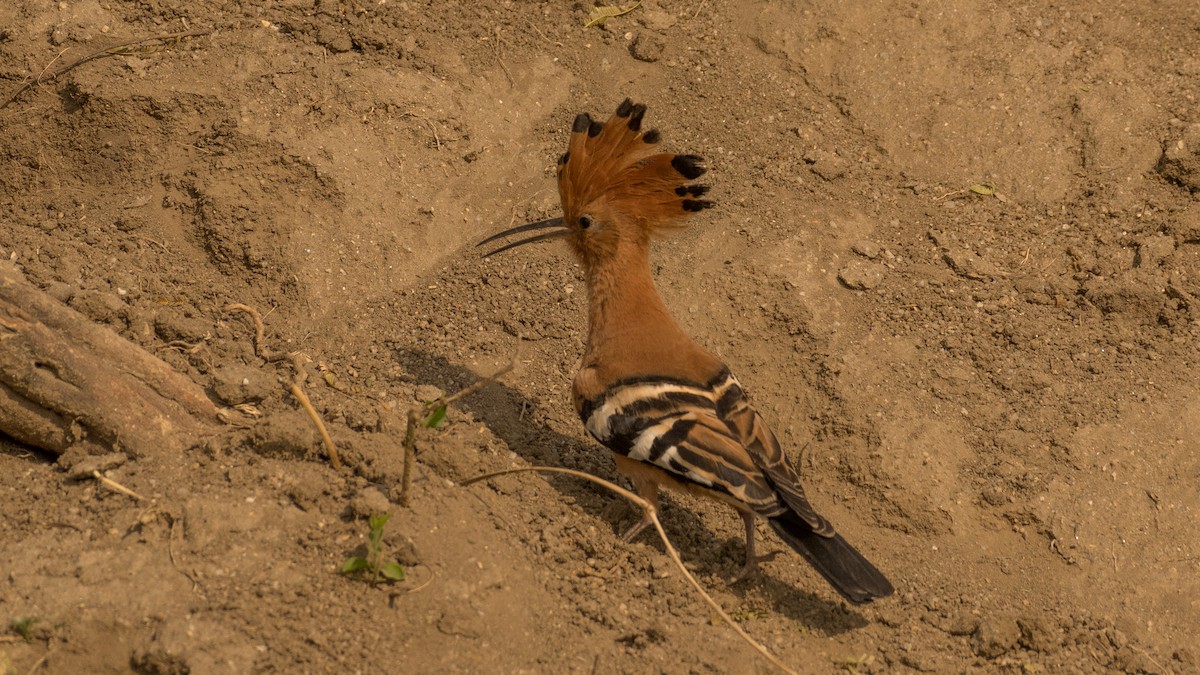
(994, 395)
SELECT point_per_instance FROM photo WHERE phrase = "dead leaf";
(602, 13)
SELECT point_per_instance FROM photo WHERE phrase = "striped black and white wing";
(733, 407)
(705, 434)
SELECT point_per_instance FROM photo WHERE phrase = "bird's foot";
(751, 566)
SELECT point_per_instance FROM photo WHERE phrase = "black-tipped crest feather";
(616, 162)
(688, 166)
(635, 117)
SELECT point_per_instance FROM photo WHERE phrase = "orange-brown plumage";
(670, 410)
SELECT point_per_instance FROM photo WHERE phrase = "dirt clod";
(995, 636)
(1181, 158)
(646, 47)
(369, 501)
(862, 275)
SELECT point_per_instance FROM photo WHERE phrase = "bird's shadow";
(507, 413)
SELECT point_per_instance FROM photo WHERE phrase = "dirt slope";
(956, 261)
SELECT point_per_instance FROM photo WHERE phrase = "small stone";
(861, 275)
(368, 502)
(1037, 635)
(866, 248)
(647, 47)
(130, 223)
(996, 636)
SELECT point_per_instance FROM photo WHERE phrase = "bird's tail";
(843, 567)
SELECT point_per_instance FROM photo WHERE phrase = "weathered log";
(65, 380)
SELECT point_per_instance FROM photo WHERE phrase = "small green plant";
(24, 627)
(374, 568)
(435, 418)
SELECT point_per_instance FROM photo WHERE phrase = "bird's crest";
(611, 174)
(612, 168)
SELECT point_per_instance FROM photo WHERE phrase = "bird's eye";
(585, 222)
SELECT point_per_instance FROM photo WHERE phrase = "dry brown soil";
(993, 395)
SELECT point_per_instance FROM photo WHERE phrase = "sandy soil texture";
(955, 260)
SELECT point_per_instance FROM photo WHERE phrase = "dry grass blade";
(653, 515)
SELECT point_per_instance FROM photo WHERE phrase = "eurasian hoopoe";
(670, 411)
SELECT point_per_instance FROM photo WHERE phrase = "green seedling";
(435, 418)
(374, 568)
(24, 627)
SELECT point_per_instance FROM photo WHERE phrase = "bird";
(670, 411)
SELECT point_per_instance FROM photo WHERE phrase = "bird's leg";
(752, 559)
(647, 489)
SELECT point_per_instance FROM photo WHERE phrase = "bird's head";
(616, 191)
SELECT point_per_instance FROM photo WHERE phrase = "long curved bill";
(560, 231)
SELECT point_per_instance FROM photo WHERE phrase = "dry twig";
(113, 50)
(652, 513)
(38, 664)
(330, 448)
(296, 388)
(117, 487)
(260, 348)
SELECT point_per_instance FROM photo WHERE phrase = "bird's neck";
(630, 330)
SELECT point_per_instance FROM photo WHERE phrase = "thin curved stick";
(653, 514)
(114, 50)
